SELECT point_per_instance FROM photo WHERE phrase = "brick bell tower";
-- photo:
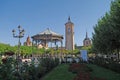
(69, 35)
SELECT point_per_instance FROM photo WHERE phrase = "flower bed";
(82, 71)
(75, 67)
(82, 76)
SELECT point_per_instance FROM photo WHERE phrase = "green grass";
(104, 73)
(59, 73)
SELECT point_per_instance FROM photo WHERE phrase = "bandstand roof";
(48, 35)
(48, 32)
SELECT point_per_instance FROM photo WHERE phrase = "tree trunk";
(118, 52)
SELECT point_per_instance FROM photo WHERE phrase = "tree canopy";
(106, 36)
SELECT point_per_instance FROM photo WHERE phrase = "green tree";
(88, 48)
(101, 36)
(106, 36)
(115, 22)
(5, 48)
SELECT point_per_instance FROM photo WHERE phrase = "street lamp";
(20, 35)
(45, 43)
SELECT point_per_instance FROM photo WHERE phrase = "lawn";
(59, 73)
(104, 73)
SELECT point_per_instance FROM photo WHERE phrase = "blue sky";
(37, 15)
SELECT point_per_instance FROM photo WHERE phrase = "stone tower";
(69, 35)
(86, 41)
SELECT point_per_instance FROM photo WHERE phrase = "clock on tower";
(69, 30)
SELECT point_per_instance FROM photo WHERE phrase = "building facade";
(28, 42)
(69, 35)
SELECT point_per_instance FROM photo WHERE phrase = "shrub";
(8, 69)
(115, 67)
(49, 63)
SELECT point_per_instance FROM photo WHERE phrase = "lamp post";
(45, 43)
(19, 36)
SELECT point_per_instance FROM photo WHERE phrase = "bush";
(49, 63)
(8, 70)
(115, 67)
(106, 63)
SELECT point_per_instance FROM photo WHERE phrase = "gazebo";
(47, 36)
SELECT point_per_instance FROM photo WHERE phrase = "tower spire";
(69, 19)
(86, 35)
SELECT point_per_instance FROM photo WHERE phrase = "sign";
(84, 55)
